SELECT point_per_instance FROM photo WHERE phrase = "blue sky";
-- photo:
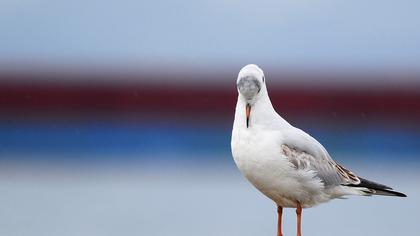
(305, 33)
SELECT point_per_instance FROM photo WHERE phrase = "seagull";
(283, 162)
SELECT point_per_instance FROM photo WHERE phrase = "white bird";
(283, 162)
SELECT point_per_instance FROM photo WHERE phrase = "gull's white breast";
(258, 155)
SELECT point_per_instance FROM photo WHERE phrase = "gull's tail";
(371, 188)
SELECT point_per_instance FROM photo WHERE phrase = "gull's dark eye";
(263, 79)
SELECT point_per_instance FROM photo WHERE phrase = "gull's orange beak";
(248, 113)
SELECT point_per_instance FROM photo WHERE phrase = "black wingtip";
(377, 189)
(398, 194)
(387, 192)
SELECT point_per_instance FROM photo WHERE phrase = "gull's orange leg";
(280, 214)
(299, 219)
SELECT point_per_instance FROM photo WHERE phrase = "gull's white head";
(251, 86)
(250, 83)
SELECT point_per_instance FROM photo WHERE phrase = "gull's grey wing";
(306, 153)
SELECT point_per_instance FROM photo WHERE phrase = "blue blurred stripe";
(108, 138)
(175, 140)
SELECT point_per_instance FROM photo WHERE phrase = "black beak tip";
(248, 113)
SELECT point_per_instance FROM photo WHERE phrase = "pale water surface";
(175, 198)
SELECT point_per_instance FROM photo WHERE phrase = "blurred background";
(115, 116)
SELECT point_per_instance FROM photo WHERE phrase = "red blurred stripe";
(68, 97)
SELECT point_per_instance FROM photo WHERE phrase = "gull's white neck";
(263, 115)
